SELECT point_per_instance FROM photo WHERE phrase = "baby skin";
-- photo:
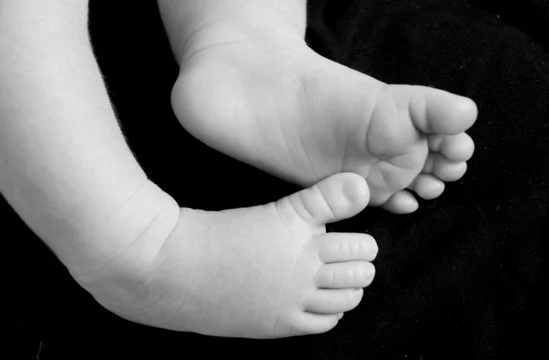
(263, 272)
(274, 103)
(268, 271)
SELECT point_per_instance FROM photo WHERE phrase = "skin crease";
(274, 103)
(68, 172)
(302, 278)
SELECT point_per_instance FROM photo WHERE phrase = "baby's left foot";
(279, 106)
(268, 271)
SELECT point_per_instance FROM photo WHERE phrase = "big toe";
(437, 111)
(335, 198)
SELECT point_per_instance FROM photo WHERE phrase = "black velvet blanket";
(461, 278)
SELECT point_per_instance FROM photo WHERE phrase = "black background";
(462, 278)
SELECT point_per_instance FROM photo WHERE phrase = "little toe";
(335, 198)
(333, 301)
(443, 168)
(427, 186)
(353, 274)
(458, 147)
(334, 247)
(306, 323)
(402, 202)
(437, 111)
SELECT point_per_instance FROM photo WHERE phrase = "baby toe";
(353, 274)
(333, 301)
(335, 198)
(427, 186)
(443, 168)
(401, 202)
(309, 324)
(334, 247)
(437, 111)
(458, 147)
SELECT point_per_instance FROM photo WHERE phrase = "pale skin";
(262, 272)
(67, 171)
(249, 86)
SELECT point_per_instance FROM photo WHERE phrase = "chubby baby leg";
(262, 272)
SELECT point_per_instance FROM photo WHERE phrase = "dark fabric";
(462, 278)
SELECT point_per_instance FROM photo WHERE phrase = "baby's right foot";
(277, 105)
(263, 272)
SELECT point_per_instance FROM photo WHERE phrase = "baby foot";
(279, 106)
(263, 272)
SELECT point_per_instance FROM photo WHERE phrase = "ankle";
(233, 29)
(132, 238)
